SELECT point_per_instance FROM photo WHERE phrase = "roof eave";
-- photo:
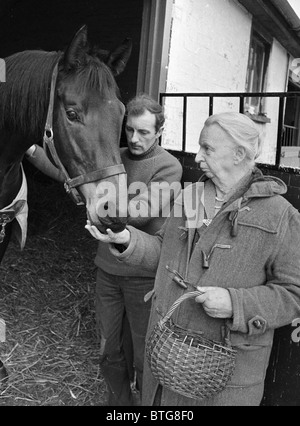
(279, 19)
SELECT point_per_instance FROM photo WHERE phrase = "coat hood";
(265, 186)
(258, 187)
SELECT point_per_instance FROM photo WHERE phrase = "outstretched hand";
(111, 237)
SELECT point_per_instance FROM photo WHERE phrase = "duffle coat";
(251, 248)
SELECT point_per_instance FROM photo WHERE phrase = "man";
(121, 289)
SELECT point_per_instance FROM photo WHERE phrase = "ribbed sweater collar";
(152, 152)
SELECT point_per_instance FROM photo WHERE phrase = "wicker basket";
(186, 362)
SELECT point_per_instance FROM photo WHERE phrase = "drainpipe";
(289, 14)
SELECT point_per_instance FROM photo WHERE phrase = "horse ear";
(75, 54)
(118, 58)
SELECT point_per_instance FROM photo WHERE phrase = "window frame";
(256, 106)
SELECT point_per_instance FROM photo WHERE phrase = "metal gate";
(285, 133)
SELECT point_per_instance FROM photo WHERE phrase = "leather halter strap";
(48, 142)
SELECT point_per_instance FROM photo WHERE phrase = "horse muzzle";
(108, 207)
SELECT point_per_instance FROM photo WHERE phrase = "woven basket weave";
(188, 363)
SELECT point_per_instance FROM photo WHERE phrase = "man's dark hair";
(141, 103)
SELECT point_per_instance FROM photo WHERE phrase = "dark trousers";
(122, 318)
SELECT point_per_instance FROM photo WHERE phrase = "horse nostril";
(105, 206)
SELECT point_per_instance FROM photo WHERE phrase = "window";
(256, 74)
(290, 151)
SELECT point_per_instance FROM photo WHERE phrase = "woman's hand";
(216, 302)
(111, 237)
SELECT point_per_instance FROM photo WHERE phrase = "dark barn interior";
(50, 25)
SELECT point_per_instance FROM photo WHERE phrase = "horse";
(71, 100)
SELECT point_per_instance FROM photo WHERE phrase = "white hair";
(241, 129)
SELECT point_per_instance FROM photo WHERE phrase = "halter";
(48, 142)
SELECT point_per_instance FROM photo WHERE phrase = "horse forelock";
(24, 97)
(93, 76)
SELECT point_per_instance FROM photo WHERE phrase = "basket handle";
(225, 330)
(177, 302)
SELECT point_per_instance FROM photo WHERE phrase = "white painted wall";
(295, 5)
(209, 53)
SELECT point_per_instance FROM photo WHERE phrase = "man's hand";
(216, 302)
(111, 237)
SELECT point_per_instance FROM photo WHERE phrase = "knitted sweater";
(144, 171)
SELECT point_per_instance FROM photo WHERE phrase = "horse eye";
(72, 115)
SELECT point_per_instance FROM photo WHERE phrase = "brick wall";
(291, 179)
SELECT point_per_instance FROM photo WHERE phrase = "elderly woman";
(243, 256)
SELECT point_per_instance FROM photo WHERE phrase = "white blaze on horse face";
(107, 198)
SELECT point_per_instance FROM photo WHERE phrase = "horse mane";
(24, 96)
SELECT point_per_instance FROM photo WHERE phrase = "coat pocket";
(251, 361)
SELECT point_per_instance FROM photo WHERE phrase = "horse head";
(87, 123)
(86, 115)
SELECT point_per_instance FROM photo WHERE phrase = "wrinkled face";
(141, 132)
(216, 153)
(87, 132)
